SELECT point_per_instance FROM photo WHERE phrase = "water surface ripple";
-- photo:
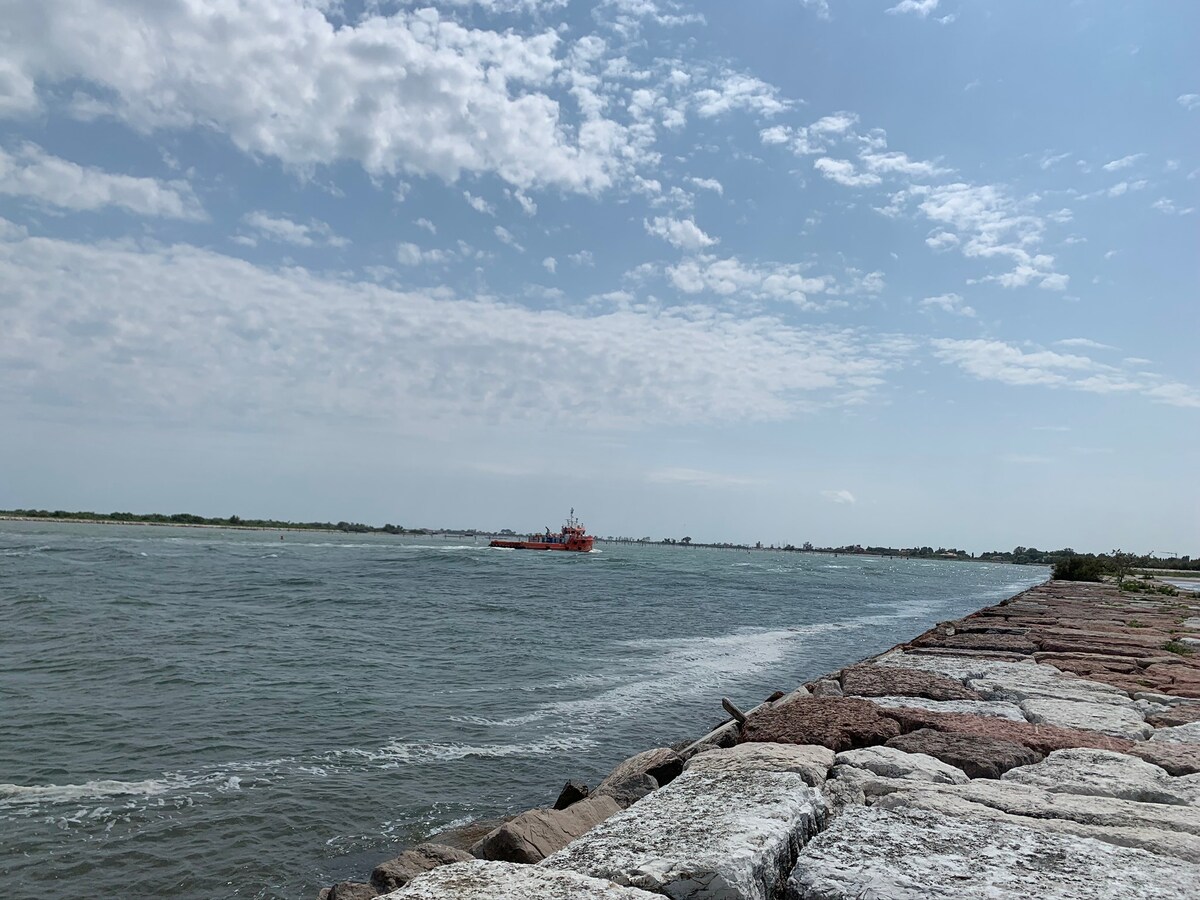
(202, 713)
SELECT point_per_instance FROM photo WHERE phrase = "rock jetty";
(1048, 746)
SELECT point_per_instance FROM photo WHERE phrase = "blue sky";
(900, 272)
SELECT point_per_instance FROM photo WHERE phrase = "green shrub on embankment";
(1078, 568)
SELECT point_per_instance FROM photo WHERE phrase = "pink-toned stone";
(1042, 738)
(894, 681)
(839, 723)
(979, 757)
(1176, 715)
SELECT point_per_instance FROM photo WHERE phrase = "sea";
(206, 713)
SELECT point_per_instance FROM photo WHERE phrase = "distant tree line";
(190, 519)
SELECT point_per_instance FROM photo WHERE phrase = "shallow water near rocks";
(202, 713)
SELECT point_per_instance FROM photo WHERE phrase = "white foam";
(91, 790)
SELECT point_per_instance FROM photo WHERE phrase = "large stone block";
(890, 762)
(1178, 734)
(811, 761)
(997, 708)
(979, 756)
(1108, 718)
(536, 834)
(1102, 773)
(729, 835)
(883, 681)
(834, 722)
(507, 881)
(395, 873)
(1159, 828)
(922, 855)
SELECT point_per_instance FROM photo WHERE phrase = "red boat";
(573, 537)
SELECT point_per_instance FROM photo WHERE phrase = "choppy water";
(201, 713)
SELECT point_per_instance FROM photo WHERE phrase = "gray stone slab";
(920, 855)
(1119, 720)
(888, 762)
(1103, 773)
(482, 880)
(1178, 734)
(1164, 829)
(995, 708)
(729, 835)
(811, 761)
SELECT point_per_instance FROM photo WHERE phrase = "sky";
(908, 272)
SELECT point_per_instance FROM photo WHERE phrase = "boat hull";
(571, 546)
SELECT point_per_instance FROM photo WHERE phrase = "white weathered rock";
(1011, 682)
(888, 762)
(1150, 708)
(506, 881)
(1108, 718)
(1192, 624)
(1178, 734)
(811, 761)
(994, 708)
(706, 835)
(919, 855)
(1104, 773)
(1160, 828)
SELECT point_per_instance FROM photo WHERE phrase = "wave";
(90, 790)
(399, 752)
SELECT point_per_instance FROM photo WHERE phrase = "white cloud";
(283, 230)
(410, 92)
(948, 303)
(506, 237)
(820, 7)
(738, 91)
(730, 277)
(841, 496)
(843, 172)
(708, 184)
(1050, 160)
(409, 254)
(427, 225)
(1167, 206)
(900, 164)
(32, 173)
(550, 264)
(1124, 162)
(697, 478)
(682, 233)
(836, 124)
(1083, 342)
(1008, 364)
(184, 334)
(921, 8)
(479, 204)
(582, 258)
(942, 240)
(1189, 101)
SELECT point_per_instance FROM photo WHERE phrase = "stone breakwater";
(1047, 746)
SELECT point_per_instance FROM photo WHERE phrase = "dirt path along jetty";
(1046, 747)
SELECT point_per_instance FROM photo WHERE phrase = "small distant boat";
(573, 537)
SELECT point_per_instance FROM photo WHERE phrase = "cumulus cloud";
(948, 303)
(921, 8)
(409, 92)
(183, 333)
(285, 231)
(730, 277)
(409, 254)
(843, 172)
(682, 233)
(1189, 101)
(550, 264)
(506, 237)
(32, 173)
(738, 91)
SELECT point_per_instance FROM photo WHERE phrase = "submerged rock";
(706, 836)
(923, 855)
(352, 890)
